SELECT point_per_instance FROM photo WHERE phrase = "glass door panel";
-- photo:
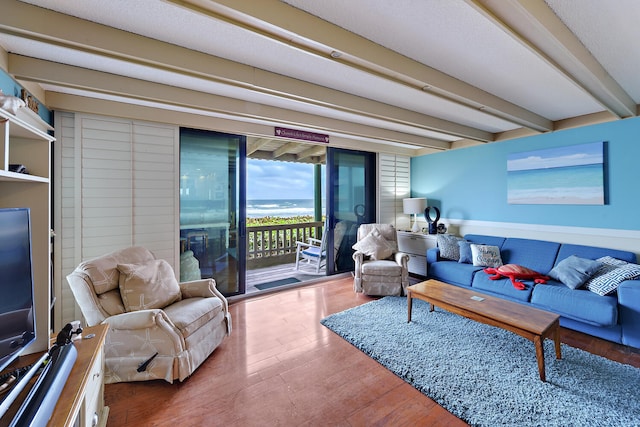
(212, 208)
(351, 202)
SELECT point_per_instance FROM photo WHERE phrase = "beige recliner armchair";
(152, 318)
(379, 268)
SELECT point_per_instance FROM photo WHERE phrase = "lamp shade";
(414, 205)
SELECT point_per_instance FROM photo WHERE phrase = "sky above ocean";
(273, 180)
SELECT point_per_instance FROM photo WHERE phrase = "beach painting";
(571, 175)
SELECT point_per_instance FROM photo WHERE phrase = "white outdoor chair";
(314, 252)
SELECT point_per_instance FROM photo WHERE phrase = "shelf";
(21, 177)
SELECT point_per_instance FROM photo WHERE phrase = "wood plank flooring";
(280, 367)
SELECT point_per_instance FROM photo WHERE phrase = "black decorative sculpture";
(433, 222)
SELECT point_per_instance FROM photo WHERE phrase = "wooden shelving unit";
(24, 140)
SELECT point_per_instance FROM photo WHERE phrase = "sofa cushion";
(190, 314)
(453, 272)
(485, 255)
(592, 252)
(485, 240)
(578, 304)
(148, 285)
(574, 271)
(538, 255)
(382, 267)
(502, 287)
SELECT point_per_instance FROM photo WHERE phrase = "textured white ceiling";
(497, 79)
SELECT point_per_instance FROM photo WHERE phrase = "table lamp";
(414, 205)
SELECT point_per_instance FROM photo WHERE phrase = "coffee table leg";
(409, 304)
(538, 341)
(556, 340)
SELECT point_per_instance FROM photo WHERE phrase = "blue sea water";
(563, 185)
(283, 208)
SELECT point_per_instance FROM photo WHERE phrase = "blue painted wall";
(10, 87)
(471, 183)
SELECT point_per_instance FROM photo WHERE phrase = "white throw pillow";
(374, 245)
(486, 255)
(611, 274)
(149, 285)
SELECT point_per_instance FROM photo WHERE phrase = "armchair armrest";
(144, 325)
(310, 242)
(205, 288)
(433, 255)
(402, 259)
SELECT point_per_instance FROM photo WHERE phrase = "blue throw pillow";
(465, 252)
(574, 271)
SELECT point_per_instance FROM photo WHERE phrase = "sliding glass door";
(212, 208)
(350, 202)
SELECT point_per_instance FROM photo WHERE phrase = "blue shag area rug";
(487, 376)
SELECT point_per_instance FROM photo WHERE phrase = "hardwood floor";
(280, 367)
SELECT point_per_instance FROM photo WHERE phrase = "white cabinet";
(24, 141)
(81, 402)
(416, 245)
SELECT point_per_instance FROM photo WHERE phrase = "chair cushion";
(102, 272)
(375, 246)
(189, 314)
(381, 268)
(111, 302)
(148, 285)
(313, 251)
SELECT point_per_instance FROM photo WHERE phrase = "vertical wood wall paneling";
(393, 186)
(66, 250)
(155, 186)
(116, 186)
(106, 185)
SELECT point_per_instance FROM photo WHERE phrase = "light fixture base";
(415, 228)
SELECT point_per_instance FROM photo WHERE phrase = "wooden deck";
(282, 271)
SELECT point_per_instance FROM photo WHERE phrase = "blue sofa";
(614, 317)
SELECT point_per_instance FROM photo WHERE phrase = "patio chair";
(313, 252)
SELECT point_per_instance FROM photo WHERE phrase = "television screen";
(17, 319)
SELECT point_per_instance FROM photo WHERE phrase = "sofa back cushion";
(538, 255)
(481, 239)
(592, 252)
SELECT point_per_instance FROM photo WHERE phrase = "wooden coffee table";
(528, 322)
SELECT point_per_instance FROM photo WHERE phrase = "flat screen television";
(17, 317)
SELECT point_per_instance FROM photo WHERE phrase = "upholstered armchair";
(379, 268)
(158, 328)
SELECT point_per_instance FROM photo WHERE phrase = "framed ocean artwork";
(571, 175)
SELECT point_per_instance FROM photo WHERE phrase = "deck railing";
(276, 244)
